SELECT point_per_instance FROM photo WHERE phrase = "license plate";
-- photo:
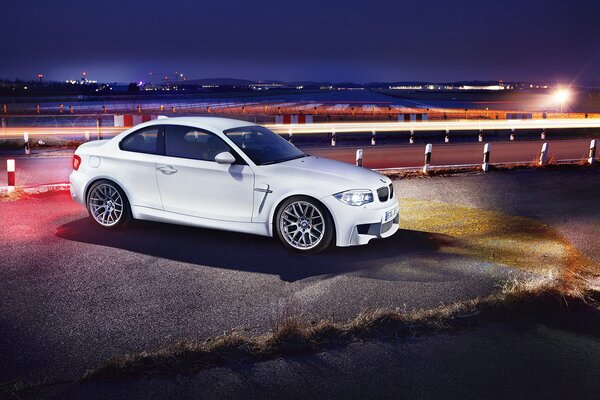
(391, 214)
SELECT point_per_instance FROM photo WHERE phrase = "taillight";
(76, 162)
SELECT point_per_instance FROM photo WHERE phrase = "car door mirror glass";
(225, 158)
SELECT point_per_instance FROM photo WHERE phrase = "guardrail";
(21, 172)
(541, 160)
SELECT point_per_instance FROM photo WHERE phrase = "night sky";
(361, 41)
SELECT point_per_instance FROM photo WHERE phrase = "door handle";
(167, 170)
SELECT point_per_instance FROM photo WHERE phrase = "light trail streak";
(340, 127)
(458, 125)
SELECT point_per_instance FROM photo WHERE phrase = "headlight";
(355, 197)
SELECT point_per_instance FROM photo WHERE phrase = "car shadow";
(247, 252)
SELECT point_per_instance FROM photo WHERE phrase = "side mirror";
(225, 158)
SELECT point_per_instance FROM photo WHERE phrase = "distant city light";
(500, 86)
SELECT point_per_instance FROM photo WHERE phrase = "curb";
(36, 189)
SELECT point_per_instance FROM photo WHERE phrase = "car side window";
(147, 140)
(194, 143)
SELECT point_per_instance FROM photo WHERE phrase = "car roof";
(216, 123)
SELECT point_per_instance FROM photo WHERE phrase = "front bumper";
(358, 225)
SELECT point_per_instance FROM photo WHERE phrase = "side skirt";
(151, 214)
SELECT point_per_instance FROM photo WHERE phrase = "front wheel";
(304, 225)
(107, 204)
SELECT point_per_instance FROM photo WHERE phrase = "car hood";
(333, 176)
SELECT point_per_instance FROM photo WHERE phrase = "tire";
(298, 223)
(108, 205)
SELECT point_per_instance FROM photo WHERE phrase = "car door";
(135, 167)
(192, 183)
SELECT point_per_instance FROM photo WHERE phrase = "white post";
(592, 155)
(87, 136)
(427, 165)
(480, 135)
(412, 137)
(486, 158)
(373, 134)
(290, 134)
(98, 130)
(27, 145)
(333, 137)
(10, 169)
(512, 134)
(543, 134)
(543, 154)
(447, 138)
(359, 158)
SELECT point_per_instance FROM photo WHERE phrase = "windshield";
(262, 145)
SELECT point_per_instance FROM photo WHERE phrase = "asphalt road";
(51, 167)
(517, 361)
(72, 295)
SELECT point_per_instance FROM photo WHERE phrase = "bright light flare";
(562, 95)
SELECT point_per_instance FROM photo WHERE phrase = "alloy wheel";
(106, 204)
(302, 225)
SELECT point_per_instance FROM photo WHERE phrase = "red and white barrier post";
(10, 169)
(427, 165)
(592, 155)
(359, 158)
(27, 144)
(486, 158)
(543, 154)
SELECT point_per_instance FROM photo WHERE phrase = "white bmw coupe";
(232, 175)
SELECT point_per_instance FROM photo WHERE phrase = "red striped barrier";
(10, 169)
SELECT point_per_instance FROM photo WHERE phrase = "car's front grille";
(383, 194)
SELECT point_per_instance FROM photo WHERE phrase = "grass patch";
(551, 301)
(21, 387)
(496, 237)
(15, 194)
(551, 165)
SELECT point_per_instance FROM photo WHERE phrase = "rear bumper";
(78, 182)
(358, 225)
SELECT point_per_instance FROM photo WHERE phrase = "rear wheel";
(107, 204)
(304, 225)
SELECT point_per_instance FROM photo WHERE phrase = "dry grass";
(519, 242)
(21, 388)
(16, 194)
(551, 165)
(550, 301)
